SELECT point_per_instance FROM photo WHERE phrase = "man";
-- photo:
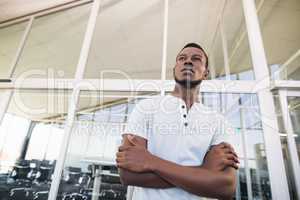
(174, 146)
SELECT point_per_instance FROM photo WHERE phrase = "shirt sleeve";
(138, 121)
(224, 132)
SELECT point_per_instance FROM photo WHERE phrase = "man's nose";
(188, 61)
(188, 64)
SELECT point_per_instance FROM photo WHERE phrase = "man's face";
(190, 65)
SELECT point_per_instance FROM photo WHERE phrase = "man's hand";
(219, 157)
(135, 158)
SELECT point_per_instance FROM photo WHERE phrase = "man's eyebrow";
(181, 54)
(198, 55)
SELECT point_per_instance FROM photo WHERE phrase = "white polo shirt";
(177, 135)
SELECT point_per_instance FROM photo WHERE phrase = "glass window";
(10, 37)
(95, 137)
(279, 22)
(212, 100)
(118, 113)
(53, 45)
(217, 57)
(294, 109)
(235, 31)
(102, 115)
(243, 113)
(127, 42)
(31, 135)
(231, 34)
(288, 167)
(246, 75)
(292, 101)
(12, 139)
(205, 27)
(45, 142)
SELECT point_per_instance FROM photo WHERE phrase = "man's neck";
(189, 96)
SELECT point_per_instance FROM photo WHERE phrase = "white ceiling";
(129, 36)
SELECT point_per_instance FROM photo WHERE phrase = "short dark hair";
(195, 45)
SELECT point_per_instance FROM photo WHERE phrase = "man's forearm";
(198, 181)
(148, 179)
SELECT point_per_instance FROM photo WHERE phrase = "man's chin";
(187, 83)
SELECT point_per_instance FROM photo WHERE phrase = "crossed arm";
(215, 178)
(144, 179)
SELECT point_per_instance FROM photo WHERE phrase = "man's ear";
(206, 73)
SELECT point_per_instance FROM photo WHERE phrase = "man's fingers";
(232, 157)
(121, 164)
(233, 152)
(236, 159)
(132, 139)
(123, 148)
(231, 163)
(228, 151)
(120, 154)
(225, 145)
(120, 160)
